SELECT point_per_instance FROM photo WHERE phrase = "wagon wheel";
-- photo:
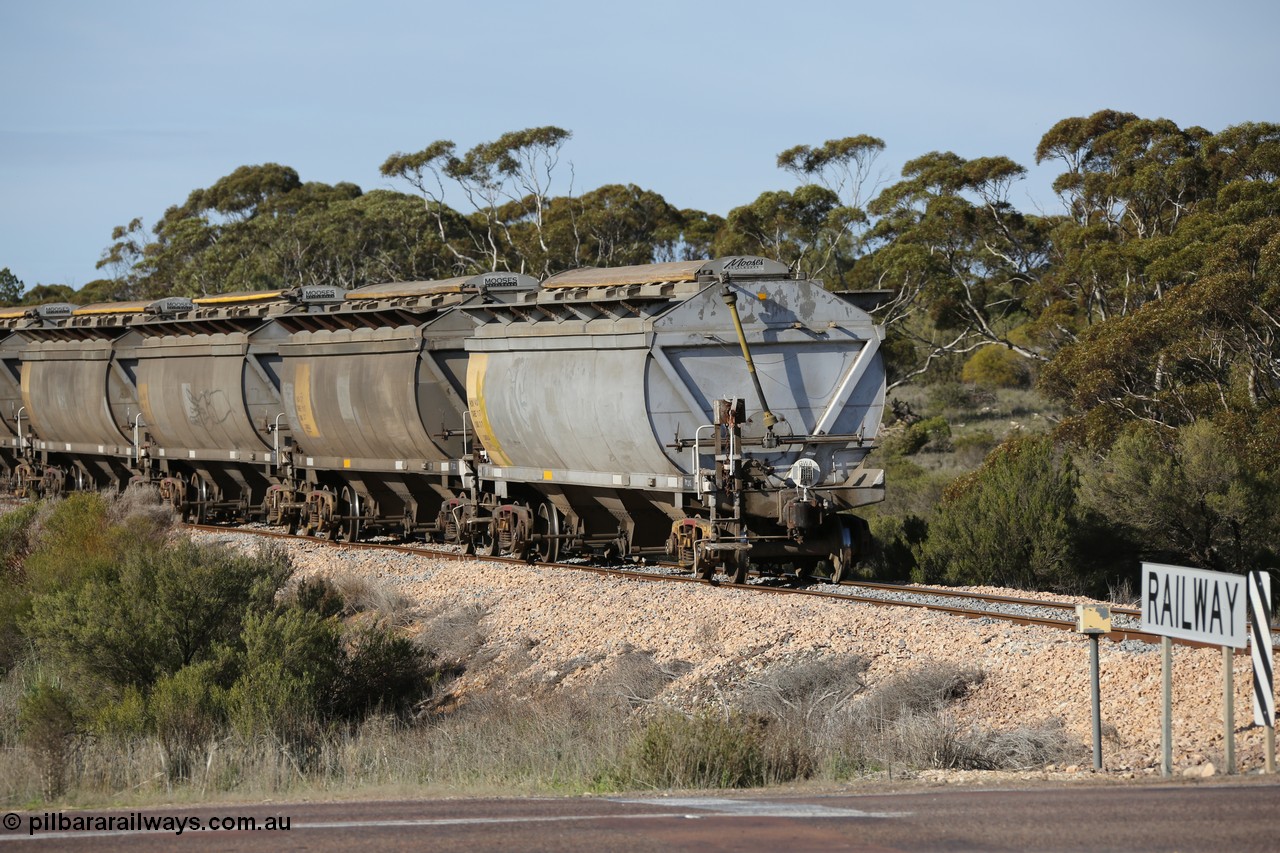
(318, 514)
(483, 541)
(449, 521)
(842, 558)
(740, 565)
(51, 482)
(78, 480)
(547, 524)
(350, 504)
(330, 527)
(703, 567)
(271, 506)
(242, 509)
(172, 492)
(196, 510)
(618, 549)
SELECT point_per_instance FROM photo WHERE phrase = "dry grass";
(377, 599)
(815, 718)
(139, 507)
(636, 679)
(453, 634)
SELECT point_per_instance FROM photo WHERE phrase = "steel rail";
(979, 596)
(1116, 635)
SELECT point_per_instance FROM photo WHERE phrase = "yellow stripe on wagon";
(477, 365)
(302, 400)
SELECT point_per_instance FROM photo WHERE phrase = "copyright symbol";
(12, 821)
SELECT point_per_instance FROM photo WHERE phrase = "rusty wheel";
(351, 509)
(842, 558)
(547, 525)
(702, 566)
(483, 541)
(196, 509)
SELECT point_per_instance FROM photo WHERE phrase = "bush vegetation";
(1010, 498)
(997, 367)
(117, 630)
(119, 683)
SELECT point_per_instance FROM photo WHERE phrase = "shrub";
(928, 688)
(15, 597)
(318, 596)
(807, 691)
(635, 678)
(382, 672)
(365, 595)
(188, 710)
(905, 722)
(15, 539)
(155, 612)
(895, 545)
(972, 449)
(957, 397)
(1188, 497)
(124, 718)
(931, 434)
(705, 750)
(916, 490)
(808, 706)
(289, 673)
(997, 367)
(453, 637)
(49, 720)
(73, 542)
(142, 516)
(47, 547)
(1023, 748)
(1012, 522)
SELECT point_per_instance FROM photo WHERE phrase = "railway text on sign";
(1194, 604)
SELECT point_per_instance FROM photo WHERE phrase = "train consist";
(718, 412)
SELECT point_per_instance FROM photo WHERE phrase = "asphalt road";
(1239, 816)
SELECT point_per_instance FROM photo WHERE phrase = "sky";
(111, 111)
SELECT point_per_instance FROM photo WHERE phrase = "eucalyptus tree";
(799, 228)
(11, 287)
(1164, 293)
(124, 257)
(612, 225)
(262, 227)
(45, 293)
(507, 182)
(961, 261)
(1129, 183)
(817, 226)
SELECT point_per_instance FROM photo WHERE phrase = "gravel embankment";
(566, 627)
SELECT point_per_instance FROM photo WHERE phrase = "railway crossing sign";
(1264, 690)
(1194, 604)
(1204, 607)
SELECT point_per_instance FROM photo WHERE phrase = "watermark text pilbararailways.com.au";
(49, 823)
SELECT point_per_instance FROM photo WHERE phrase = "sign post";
(1264, 691)
(1094, 620)
(1166, 707)
(1205, 607)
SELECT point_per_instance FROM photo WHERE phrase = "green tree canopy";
(1010, 523)
(43, 294)
(11, 288)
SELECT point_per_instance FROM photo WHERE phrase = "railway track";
(973, 605)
